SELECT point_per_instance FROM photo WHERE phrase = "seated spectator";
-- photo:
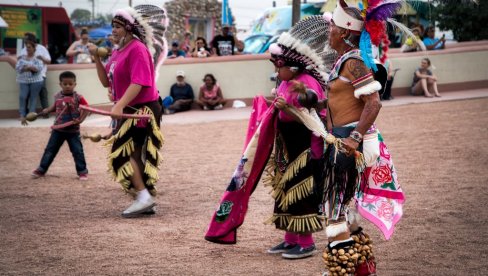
(210, 96)
(201, 49)
(182, 95)
(223, 45)
(175, 52)
(432, 43)
(411, 44)
(79, 49)
(424, 81)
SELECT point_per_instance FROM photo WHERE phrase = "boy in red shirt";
(66, 105)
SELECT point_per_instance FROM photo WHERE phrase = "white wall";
(246, 76)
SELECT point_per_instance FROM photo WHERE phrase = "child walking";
(298, 153)
(66, 105)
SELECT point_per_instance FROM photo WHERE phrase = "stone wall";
(179, 10)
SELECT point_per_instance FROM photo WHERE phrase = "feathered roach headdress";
(148, 23)
(303, 47)
(375, 14)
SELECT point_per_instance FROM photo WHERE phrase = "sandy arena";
(58, 225)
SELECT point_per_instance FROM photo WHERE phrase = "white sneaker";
(138, 208)
(219, 107)
(206, 108)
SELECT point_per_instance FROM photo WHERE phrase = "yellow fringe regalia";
(132, 135)
(290, 173)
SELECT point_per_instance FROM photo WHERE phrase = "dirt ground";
(58, 225)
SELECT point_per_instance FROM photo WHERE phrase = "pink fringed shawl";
(233, 204)
(381, 198)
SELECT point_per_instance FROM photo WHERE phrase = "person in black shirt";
(223, 45)
(182, 94)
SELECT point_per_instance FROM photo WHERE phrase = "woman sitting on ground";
(424, 81)
(210, 96)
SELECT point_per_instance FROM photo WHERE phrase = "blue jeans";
(54, 144)
(28, 91)
(43, 95)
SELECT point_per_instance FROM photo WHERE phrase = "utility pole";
(295, 14)
(130, 3)
(93, 9)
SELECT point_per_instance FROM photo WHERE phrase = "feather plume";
(407, 32)
(384, 11)
(373, 3)
(377, 30)
(153, 25)
(367, 50)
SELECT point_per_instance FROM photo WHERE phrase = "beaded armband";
(365, 85)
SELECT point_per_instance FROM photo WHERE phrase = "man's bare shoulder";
(355, 69)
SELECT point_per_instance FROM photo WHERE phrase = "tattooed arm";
(354, 70)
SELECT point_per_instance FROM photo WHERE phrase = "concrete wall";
(242, 77)
(461, 63)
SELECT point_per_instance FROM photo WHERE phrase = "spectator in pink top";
(210, 96)
(130, 73)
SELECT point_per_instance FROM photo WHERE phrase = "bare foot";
(438, 95)
(428, 96)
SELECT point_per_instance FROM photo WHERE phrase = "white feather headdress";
(148, 23)
(304, 45)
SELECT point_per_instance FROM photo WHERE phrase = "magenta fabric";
(132, 65)
(305, 240)
(317, 143)
(259, 107)
(291, 238)
(234, 203)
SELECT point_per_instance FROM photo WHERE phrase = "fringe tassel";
(126, 150)
(283, 220)
(151, 171)
(128, 123)
(296, 224)
(293, 168)
(151, 149)
(304, 224)
(110, 141)
(124, 172)
(125, 186)
(157, 133)
(277, 194)
(269, 174)
(297, 192)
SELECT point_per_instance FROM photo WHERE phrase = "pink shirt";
(132, 65)
(210, 94)
(292, 97)
(317, 143)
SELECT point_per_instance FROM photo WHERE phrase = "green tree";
(80, 15)
(466, 18)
